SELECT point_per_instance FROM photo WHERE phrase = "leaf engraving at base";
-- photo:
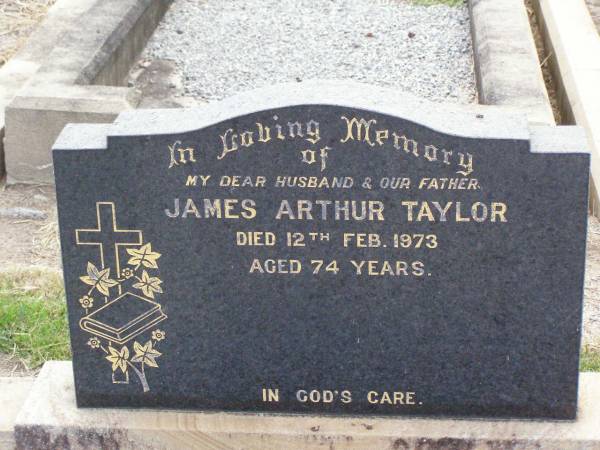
(118, 358)
(145, 354)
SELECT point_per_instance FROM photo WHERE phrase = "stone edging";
(574, 42)
(70, 70)
(507, 67)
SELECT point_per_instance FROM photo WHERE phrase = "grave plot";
(222, 49)
(206, 51)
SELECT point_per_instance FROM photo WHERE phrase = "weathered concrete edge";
(19, 69)
(507, 67)
(112, 63)
(121, 39)
(469, 121)
(50, 417)
(570, 35)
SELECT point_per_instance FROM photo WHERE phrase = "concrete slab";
(571, 34)
(22, 66)
(506, 62)
(50, 419)
(13, 393)
(76, 74)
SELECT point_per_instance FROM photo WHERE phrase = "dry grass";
(29, 242)
(544, 56)
(17, 19)
(590, 360)
(46, 240)
(21, 280)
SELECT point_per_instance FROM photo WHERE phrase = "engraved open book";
(123, 318)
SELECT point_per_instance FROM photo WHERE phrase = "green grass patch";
(589, 360)
(33, 316)
(439, 2)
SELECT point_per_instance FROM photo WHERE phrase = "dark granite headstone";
(325, 248)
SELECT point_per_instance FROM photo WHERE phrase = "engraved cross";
(108, 237)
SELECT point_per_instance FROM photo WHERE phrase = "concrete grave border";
(574, 42)
(71, 70)
(507, 66)
(508, 70)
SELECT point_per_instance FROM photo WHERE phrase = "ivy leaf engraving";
(143, 256)
(149, 285)
(145, 354)
(98, 279)
(118, 358)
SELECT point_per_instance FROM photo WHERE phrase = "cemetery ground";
(427, 51)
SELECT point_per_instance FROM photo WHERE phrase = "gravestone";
(325, 248)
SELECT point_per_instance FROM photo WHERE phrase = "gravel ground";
(223, 48)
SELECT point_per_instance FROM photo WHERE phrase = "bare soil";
(26, 242)
(11, 366)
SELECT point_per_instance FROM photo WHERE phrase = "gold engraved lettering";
(270, 395)
(466, 161)
(358, 130)
(246, 139)
(358, 210)
(264, 133)
(408, 145)
(431, 153)
(179, 155)
(381, 135)
(191, 180)
(229, 143)
(313, 134)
